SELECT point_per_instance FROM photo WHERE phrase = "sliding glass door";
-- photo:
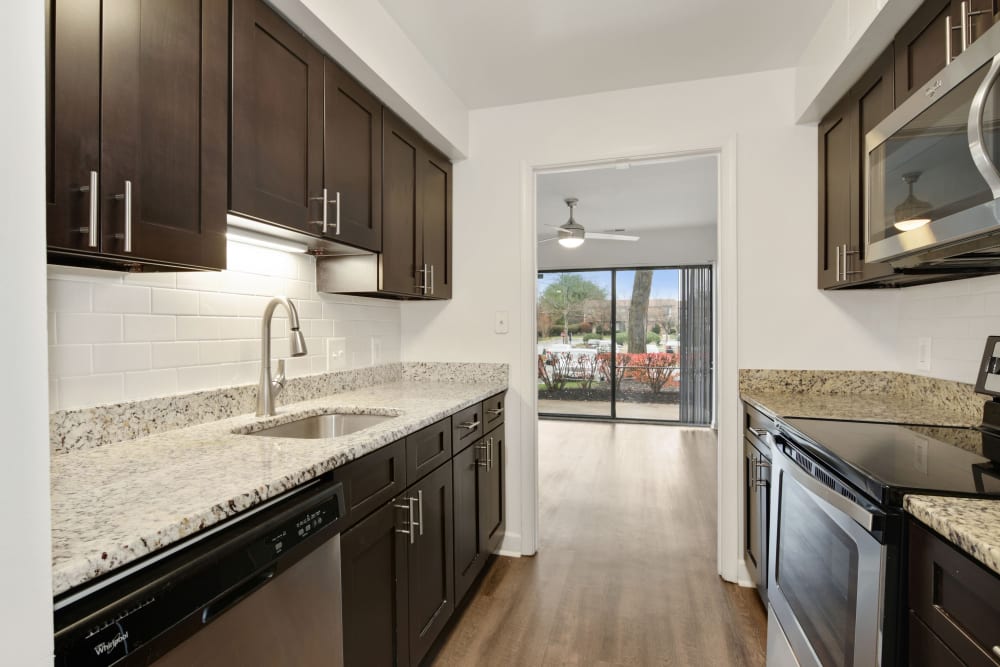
(630, 344)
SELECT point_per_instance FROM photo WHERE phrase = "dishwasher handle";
(235, 595)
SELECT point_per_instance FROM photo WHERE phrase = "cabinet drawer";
(957, 598)
(467, 427)
(493, 411)
(926, 648)
(427, 449)
(372, 480)
(755, 424)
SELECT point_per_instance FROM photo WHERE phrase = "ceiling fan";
(572, 234)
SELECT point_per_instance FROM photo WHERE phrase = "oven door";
(826, 568)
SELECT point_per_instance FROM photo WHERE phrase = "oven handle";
(864, 517)
(984, 163)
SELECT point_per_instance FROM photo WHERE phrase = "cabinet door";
(921, 46)
(163, 127)
(470, 548)
(752, 517)
(373, 566)
(872, 100)
(435, 207)
(491, 506)
(835, 173)
(400, 233)
(277, 124)
(352, 161)
(372, 480)
(430, 562)
(73, 119)
(427, 449)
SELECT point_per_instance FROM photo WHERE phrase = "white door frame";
(730, 458)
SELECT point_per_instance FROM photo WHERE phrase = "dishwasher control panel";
(150, 611)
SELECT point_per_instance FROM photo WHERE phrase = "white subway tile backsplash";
(150, 328)
(69, 297)
(214, 303)
(175, 302)
(88, 390)
(119, 337)
(198, 328)
(147, 384)
(152, 279)
(175, 355)
(121, 299)
(199, 280)
(218, 352)
(122, 357)
(69, 360)
(198, 377)
(88, 328)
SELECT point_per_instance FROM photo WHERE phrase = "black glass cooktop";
(888, 461)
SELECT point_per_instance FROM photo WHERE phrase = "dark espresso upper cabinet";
(137, 133)
(401, 234)
(277, 121)
(842, 176)
(922, 45)
(435, 222)
(352, 161)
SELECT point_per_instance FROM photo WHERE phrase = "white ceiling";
(647, 196)
(495, 53)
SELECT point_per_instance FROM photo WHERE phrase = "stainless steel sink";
(323, 426)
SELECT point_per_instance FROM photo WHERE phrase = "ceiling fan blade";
(554, 238)
(610, 237)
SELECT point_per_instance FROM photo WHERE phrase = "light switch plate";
(502, 323)
(923, 354)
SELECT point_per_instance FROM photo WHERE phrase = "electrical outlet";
(336, 353)
(923, 354)
(502, 322)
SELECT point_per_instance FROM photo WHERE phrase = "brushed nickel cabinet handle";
(411, 532)
(91, 229)
(756, 431)
(483, 462)
(496, 412)
(837, 274)
(470, 426)
(420, 510)
(323, 204)
(127, 199)
(337, 224)
(948, 28)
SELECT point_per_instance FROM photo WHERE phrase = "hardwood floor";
(625, 573)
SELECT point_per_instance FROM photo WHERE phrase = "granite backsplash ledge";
(873, 395)
(89, 427)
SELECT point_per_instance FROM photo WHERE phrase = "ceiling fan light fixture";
(571, 241)
(912, 212)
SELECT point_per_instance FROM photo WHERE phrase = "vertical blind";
(696, 345)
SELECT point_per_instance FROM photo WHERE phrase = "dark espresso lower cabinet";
(397, 576)
(479, 514)
(373, 566)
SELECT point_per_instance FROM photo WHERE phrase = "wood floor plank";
(626, 570)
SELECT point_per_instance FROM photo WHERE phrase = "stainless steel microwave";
(931, 176)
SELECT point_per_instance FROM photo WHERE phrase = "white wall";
(25, 555)
(783, 320)
(672, 247)
(116, 336)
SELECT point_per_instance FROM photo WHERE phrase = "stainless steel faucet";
(269, 388)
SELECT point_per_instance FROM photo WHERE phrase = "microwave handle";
(984, 163)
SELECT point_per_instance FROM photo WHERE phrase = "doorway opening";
(624, 298)
(626, 344)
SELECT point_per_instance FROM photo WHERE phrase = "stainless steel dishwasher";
(263, 589)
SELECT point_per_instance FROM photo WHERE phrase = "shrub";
(656, 328)
(652, 337)
(621, 338)
(591, 336)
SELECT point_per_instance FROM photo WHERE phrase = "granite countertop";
(886, 408)
(971, 524)
(118, 502)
